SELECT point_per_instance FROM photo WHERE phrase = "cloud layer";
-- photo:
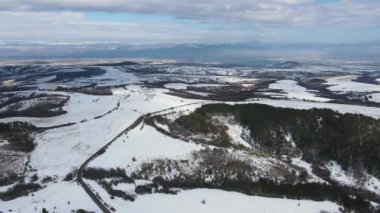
(249, 11)
(195, 21)
(75, 27)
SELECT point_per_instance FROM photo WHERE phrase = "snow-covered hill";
(76, 109)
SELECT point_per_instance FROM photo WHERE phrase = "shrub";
(69, 177)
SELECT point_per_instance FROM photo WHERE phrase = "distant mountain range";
(237, 53)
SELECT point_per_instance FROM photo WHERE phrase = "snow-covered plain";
(343, 84)
(294, 91)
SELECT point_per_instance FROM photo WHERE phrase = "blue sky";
(196, 21)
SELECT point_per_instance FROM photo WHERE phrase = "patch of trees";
(154, 187)
(87, 72)
(89, 90)
(12, 98)
(145, 189)
(18, 190)
(116, 175)
(115, 192)
(196, 122)
(186, 126)
(20, 135)
(43, 108)
(99, 173)
(368, 78)
(352, 140)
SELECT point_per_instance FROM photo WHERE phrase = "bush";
(47, 179)
(69, 177)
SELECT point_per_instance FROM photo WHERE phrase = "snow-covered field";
(60, 150)
(142, 144)
(343, 84)
(57, 197)
(294, 91)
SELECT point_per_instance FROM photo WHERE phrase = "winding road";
(103, 206)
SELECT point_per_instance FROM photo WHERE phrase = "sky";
(195, 21)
